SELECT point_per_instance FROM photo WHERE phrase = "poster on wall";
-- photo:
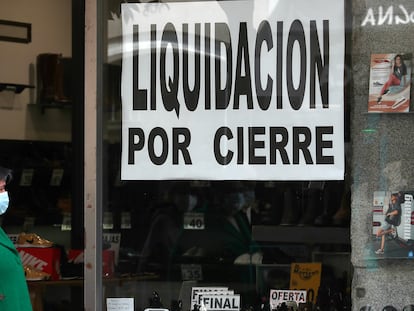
(392, 225)
(390, 83)
(233, 90)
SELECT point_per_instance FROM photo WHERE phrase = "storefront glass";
(223, 155)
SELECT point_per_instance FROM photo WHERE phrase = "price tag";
(120, 304)
(66, 222)
(27, 177)
(126, 220)
(191, 272)
(57, 176)
(194, 221)
(108, 221)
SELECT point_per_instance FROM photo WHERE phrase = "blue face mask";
(4, 202)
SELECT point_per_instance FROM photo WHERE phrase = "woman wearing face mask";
(14, 293)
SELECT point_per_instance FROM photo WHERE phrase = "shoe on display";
(312, 207)
(292, 305)
(307, 306)
(257, 258)
(342, 216)
(332, 196)
(291, 208)
(268, 210)
(379, 252)
(243, 259)
(176, 305)
(323, 220)
(249, 259)
(33, 274)
(194, 251)
(389, 308)
(155, 301)
(408, 308)
(32, 240)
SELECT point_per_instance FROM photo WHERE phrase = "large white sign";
(233, 90)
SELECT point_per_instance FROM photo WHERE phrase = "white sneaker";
(243, 259)
(379, 251)
(257, 258)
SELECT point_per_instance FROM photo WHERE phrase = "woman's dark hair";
(6, 174)
(399, 56)
(403, 66)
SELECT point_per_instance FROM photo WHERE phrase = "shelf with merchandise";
(304, 234)
(16, 88)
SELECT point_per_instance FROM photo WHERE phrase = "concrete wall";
(51, 33)
(382, 156)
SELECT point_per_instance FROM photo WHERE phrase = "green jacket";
(14, 293)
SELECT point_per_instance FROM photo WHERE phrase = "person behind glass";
(399, 71)
(14, 293)
(392, 218)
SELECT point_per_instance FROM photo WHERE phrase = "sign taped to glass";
(234, 90)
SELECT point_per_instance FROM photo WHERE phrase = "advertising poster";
(392, 225)
(390, 83)
(307, 277)
(233, 90)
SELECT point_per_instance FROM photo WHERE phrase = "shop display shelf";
(301, 234)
